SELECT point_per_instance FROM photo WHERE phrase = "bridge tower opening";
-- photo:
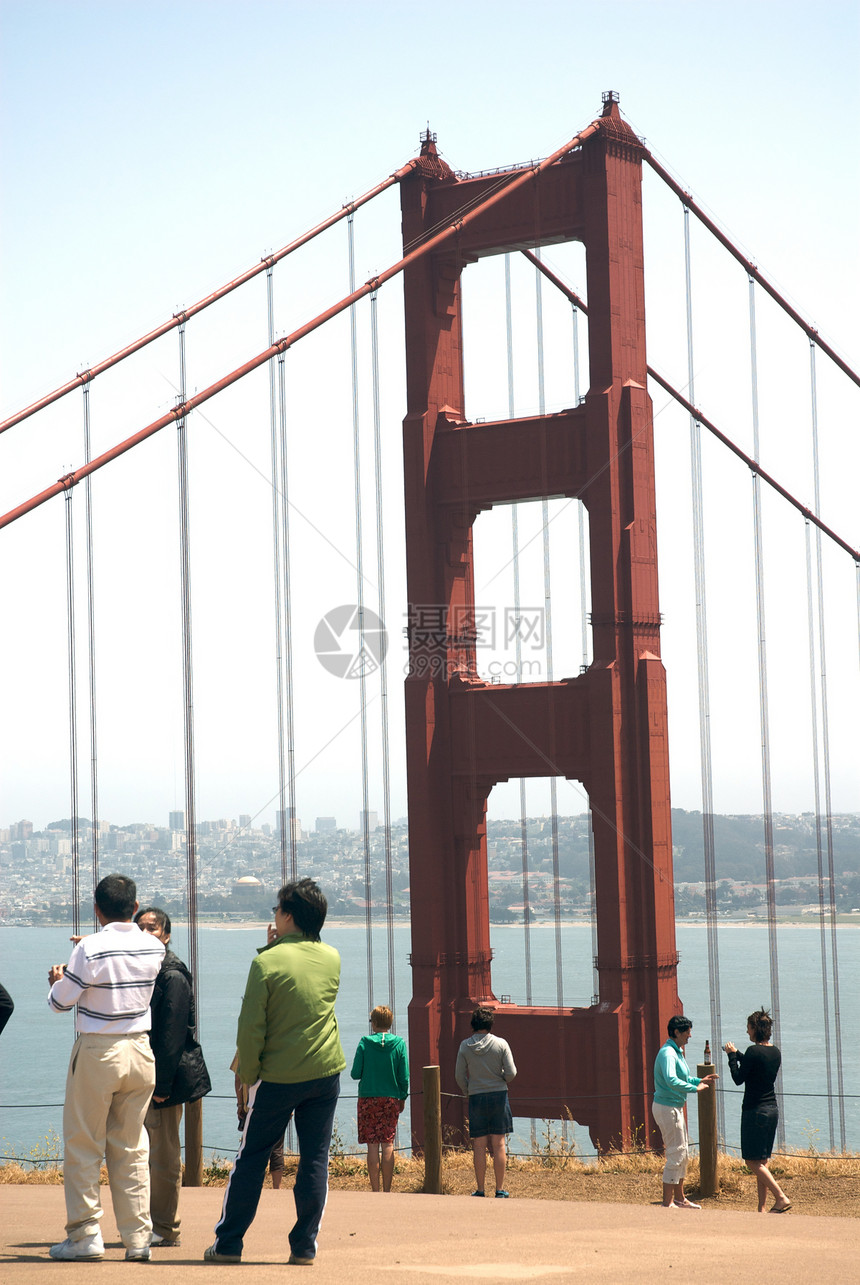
(606, 727)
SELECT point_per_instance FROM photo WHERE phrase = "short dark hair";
(679, 1023)
(161, 917)
(115, 896)
(307, 905)
(482, 1019)
(762, 1025)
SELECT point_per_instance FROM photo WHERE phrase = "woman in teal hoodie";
(382, 1069)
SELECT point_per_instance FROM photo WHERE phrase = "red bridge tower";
(606, 727)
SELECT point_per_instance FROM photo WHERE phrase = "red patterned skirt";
(377, 1119)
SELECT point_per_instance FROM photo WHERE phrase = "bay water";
(35, 1046)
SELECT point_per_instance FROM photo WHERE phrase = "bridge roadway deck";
(424, 1240)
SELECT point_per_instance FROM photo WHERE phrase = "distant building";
(247, 891)
(325, 823)
(177, 820)
(21, 830)
(244, 820)
(372, 821)
(293, 821)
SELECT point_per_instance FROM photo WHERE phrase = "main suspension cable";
(750, 268)
(179, 318)
(752, 464)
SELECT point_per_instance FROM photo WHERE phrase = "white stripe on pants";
(672, 1125)
(108, 1088)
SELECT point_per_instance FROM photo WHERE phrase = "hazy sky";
(152, 151)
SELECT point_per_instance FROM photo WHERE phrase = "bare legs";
(496, 1143)
(386, 1167)
(766, 1182)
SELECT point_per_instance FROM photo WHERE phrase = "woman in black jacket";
(757, 1070)
(180, 1077)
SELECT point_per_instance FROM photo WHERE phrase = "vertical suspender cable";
(825, 746)
(383, 660)
(91, 638)
(553, 787)
(362, 677)
(583, 618)
(187, 673)
(277, 500)
(819, 844)
(73, 714)
(515, 540)
(767, 798)
(287, 602)
(704, 686)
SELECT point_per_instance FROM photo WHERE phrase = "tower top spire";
(610, 103)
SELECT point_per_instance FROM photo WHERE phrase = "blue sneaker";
(477, 1193)
(501, 1194)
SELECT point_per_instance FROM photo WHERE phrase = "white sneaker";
(138, 1254)
(87, 1248)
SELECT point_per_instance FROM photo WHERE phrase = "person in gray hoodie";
(485, 1068)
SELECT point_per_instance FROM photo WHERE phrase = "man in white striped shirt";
(109, 976)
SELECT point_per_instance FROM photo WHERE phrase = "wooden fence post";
(707, 1104)
(432, 1131)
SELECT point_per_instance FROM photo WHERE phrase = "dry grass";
(815, 1182)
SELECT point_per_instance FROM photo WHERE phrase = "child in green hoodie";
(381, 1067)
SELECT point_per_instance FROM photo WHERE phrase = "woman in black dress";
(757, 1070)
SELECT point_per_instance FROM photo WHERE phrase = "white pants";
(108, 1087)
(673, 1126)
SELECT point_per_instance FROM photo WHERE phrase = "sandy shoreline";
(808, 921)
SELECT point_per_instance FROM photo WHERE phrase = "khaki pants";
(108, 1088)
(673, 1127)
(165, 1169)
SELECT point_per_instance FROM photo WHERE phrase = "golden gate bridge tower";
(606, 727)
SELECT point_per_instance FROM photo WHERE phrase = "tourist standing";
(485, 1068)
(672, 1082)
(757, 1070)
(109, 976)
(180, 1077)
(381, 1067)
(290, 1054)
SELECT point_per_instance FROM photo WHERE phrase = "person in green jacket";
(290, 1054)
(382, 1069)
